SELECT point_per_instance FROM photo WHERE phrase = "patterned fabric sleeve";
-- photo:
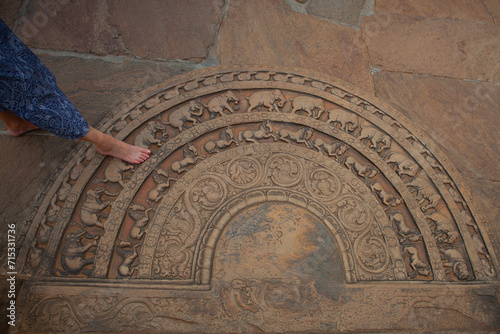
(30, 91)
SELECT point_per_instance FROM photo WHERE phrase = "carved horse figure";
(190, 157)
(73, 254)
(226, 138)
(220, 103)
(418, 266)
(403, 229)
(147, 136)
(113, 172)
(367, 171)
(265, 131)
(333, 150)
(385, 197)
(140, 215)
(125, 268)
(303, 135)
(161, 184)
(93, 205)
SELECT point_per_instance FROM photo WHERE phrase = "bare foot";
(108, 145)
(124, 151)
(16, 126)
(21, 130)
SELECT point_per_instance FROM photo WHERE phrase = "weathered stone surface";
(457, 49)
(182, 29)
(9, 11)
(445, 9)
(27, 164)
(270, 33)
(346, 12)
(270, 195)
(106, 82)
(493, 7)
(462, 117)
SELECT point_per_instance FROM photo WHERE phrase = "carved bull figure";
(348, 121)
(375, 137)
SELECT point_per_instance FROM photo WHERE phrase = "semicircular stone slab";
(261, 181)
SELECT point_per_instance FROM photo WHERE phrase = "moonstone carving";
(301, 153)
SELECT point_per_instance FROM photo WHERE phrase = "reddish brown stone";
(450, 9)
(457, 49)
(493, 7)
(275, 35)
(167, 30)
(9, 11)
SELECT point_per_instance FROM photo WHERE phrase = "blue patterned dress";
(29, 90)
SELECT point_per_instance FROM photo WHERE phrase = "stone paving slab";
(456, 49)
(269, 32)
(493, 7)
(345, 12)
(105, 82)
(471, 10)
(169, 30)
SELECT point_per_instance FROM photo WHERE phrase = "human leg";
(108, 145)
(16, 126)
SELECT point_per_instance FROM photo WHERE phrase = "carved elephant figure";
(218, 104)
(73, 255)
(308, 104)
(452, 258)
(269, 99)
(187, 113)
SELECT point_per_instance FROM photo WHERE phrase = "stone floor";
(435, 62)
